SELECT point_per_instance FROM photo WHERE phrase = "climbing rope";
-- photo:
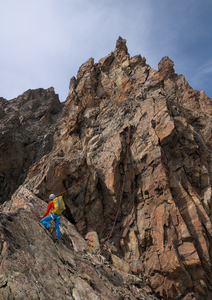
(123, 184)
(128, 142)
(119, 206)
(108, 147)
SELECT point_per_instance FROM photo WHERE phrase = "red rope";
(91, 170)
(121, 193)
(119, 206)
(46, 268)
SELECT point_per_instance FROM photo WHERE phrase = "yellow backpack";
(59, 205)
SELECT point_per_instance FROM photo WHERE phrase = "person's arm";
(48, 209)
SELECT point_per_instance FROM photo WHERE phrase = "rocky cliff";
(130, 151)
(27, 126)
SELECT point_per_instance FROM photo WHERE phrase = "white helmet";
(52, 196)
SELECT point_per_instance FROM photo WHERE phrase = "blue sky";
(44, 42)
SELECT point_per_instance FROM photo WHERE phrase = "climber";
(57, 206)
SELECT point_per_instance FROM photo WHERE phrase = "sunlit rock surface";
(121, 119)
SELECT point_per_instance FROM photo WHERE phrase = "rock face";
(27, 126)
(131, 153)
(34, 267)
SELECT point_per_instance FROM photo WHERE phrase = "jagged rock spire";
(121, 51)
(165, 67)
(164, 226)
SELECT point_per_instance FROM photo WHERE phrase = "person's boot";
(50, 229)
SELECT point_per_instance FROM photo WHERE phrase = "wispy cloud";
(43, 43)
(206, 68)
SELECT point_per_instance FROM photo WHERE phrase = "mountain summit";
(130, 150)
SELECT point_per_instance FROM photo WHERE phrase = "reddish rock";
(159, 221)
(93, 241)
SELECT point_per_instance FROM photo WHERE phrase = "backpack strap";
(58, 203)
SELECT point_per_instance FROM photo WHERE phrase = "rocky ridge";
(34, 267)
(126, 122)
(27, 125)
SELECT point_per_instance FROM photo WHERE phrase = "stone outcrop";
(27, 126)
(131, 153)
(34, 267)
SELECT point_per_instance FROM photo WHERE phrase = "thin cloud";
(43, 43)
(206, 68)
